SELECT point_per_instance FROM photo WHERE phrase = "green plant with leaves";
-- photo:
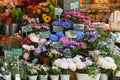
(5, 66)
(43, 70)
(17, 14)
(116, 57)
(54, 70)
(18, 67)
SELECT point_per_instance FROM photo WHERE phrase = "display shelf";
(99, 11)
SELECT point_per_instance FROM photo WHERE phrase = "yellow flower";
(46, 18)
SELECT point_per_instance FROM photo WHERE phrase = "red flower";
(27, 40)
(9, 20)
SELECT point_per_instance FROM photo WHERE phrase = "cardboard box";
(67, 4)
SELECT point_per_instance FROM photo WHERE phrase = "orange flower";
(38, 11)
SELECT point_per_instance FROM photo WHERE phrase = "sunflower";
(43, 16)
(47, 19)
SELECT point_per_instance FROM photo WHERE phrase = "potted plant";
(18, 69)
(86, 69)
(116, 57)
(66, 65)
(5, 69)
(43, 72)
(32, 72)
(54, 72)
(107, 66)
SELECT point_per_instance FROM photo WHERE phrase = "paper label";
(45, 34)
(75, 5)
(8, 54)
(58, 11)
(57, 44)
(71, 34)
(57, 28)
(17, 51)
(26, 28)
(79, 27)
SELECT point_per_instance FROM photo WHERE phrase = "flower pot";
(7, 77)
(13, 28)
(46, 61)
(6, 29)
(32, 77)
(72, 75)
(54, 77)
(82, 76)
(117, 74)
(103, 77)
(43, 77)
(64, 77)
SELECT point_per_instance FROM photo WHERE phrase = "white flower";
(31, 34)
(69, 60)
(32, 47)
(2, 68)
(42, 41)
(76, 59)
(5, 64)
(97, 52)
(26, 47)
(80, 65)
(34, 39)
(72, 66)
(88, 62)
(113, 66)
(109, 59)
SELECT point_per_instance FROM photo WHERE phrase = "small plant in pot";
(54, 72)
(43, 72)
(32, 72)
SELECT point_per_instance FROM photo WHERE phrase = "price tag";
(57, 44)
(8, 54)
(45, 34)
(75, 5)
(58, 11)
(17, 77)
(71, 34)
(79, 27)
(57, 28)
(17, 51)
(26, 28)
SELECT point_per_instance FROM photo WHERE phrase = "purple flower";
(66, 24)
(37, 51)
(57, 23)
(66, 50)
(91, 40)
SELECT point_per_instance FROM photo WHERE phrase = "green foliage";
(54, 70)
(18, 14)
(91, 70)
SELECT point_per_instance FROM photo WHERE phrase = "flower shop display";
(69, 48)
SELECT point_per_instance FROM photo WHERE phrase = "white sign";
(75, 5)
(58, 11)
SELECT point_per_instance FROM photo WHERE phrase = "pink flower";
(83, 45)
(72, 66)
(26, 55)
(80, 65)
(32, 47)
(65, 40)
(26, 47)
